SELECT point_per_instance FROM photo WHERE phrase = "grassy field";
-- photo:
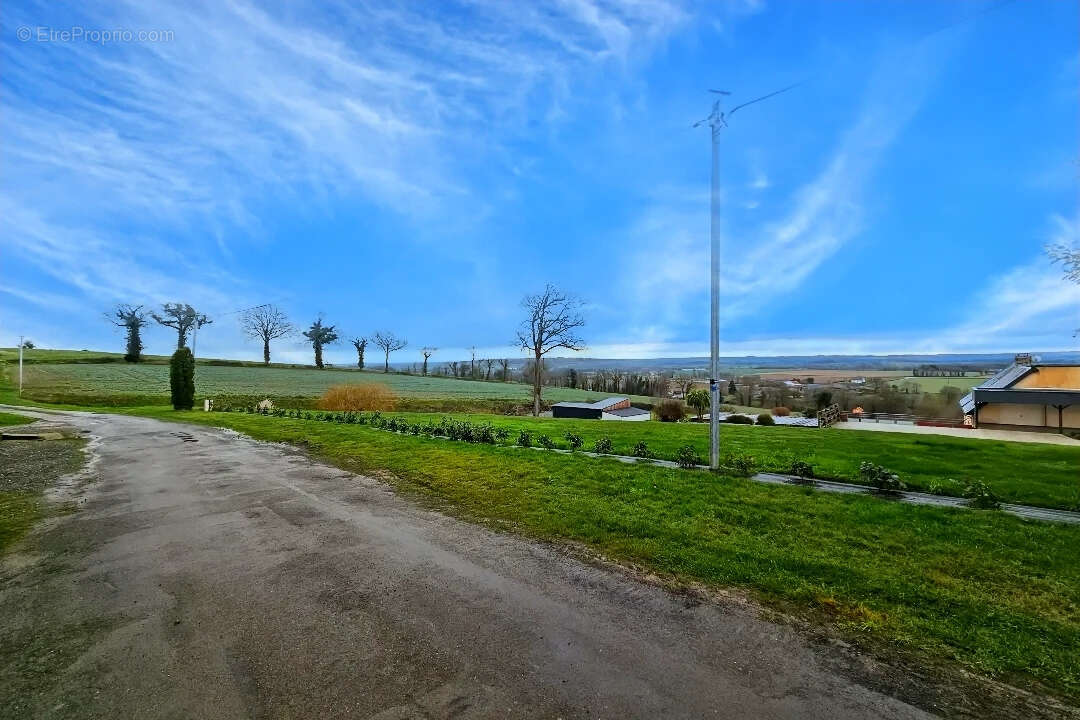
(996, 594)
(9, 419)
(120, 384)
(935, 384)
(1045, 475)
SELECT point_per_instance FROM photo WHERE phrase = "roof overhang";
(1017, 396)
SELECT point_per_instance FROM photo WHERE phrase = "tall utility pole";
(716, 120)
(20, 364)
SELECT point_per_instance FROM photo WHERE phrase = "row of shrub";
(883, 480)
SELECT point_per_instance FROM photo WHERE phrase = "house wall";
(1033, 417)
(1067, 378)
(575, 412)
(632, 418)
(619, 405)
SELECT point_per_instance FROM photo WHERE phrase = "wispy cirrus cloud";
(669, 268)
(108, 148)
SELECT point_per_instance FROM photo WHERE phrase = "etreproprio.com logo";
(93, 36)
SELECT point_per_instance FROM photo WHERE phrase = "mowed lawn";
(1044, 475)
(991, 592)
(124, 384)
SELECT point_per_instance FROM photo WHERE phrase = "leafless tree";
(389, 342)
(181, 317)
(1069, 257)
(488, 363)
(266, 323)
(133, 319)
(427, 352)
(360, 343)
(553, 321)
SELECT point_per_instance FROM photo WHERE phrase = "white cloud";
(108, 147)
(670, 237)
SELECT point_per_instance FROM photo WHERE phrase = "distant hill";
(989, 361)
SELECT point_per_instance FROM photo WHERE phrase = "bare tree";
(320, 335)
(133, 319)
(504, 364)
(488, 363)
(553, 321)
(472, 362)
(360, 343)
(389, 342)
(1069, 257)
(427, 352)
(181, 317)
(266, 323)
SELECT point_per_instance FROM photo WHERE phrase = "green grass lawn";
(935, 384)
(9, 419)
(996, 594)
(1045, 475)
(119, 384)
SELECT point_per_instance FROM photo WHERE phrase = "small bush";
(362, 396)
(502, 434)
(545, 442)
(739, 420)
(765, 419)
(883, 480)
(641, 450)
(687, 457)
(980, 495)
(574, 441)
(741, 465)
(182, 379)
(524, 438)
(781, 411)
(801, 469)
(670, 410)
(602, 446)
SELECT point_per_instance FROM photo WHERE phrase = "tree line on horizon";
(553, 319)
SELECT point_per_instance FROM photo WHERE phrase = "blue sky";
(421, 166)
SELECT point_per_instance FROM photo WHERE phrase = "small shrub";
(781, 411)
(979, 495)
(739, 420)
(602, 446)
(741, 465)
(641, 450)
(545, 442)
(687, 457)
(524, 438)
(502, 434)
(883, 480)
(765, 419)
(670, 410)
(574, 441)
(361, 396)
(801, 469)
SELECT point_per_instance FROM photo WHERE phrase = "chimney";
(1022, 359)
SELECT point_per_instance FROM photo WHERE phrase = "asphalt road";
(210, 576)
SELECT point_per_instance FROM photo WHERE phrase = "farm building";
(612, 408)
(1027, 395)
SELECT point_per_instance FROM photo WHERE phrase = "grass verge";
(993, 593)
(10, 419)
(1042, 475)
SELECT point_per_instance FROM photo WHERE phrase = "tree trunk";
(536, 386)
(266, 351)
(425, 366)
(318, 356)
(386, 363)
